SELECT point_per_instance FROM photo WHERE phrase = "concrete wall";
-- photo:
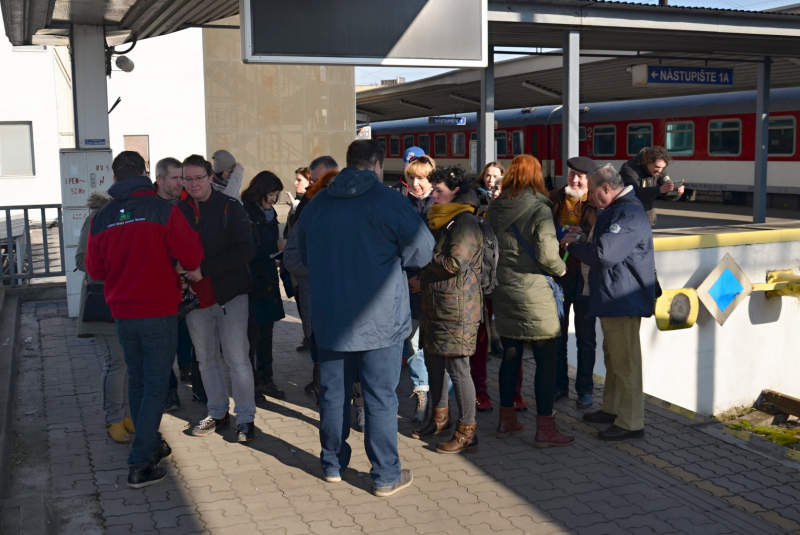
(711, 369)
(275, 117)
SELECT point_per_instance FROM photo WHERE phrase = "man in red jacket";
(132, 243)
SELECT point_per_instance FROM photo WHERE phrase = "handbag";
(95, 308)
(558, 291)
(286, 279)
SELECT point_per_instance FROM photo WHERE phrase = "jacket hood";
(125, 188)
(467, 197)
(352, 182)
(97, 200)
(503, 212)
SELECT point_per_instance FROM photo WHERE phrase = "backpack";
(490, 253)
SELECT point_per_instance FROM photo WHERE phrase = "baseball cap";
(412, 152)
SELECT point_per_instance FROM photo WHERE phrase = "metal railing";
(28, 245)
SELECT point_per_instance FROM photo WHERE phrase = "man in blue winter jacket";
(622, 284)
(356, 236)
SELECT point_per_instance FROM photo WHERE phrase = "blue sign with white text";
(457, 121)
(663, 74)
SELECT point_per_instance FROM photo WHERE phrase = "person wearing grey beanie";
(227, 174)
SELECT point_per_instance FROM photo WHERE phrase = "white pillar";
(486, 144)
(762, 142)
(570, 112)
(89, 86)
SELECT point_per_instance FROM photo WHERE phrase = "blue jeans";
(379, 372)
(113, 379)
(149, 346)
(416, 360)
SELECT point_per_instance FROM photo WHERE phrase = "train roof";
(733, 103)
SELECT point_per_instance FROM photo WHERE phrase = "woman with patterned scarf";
(452, 302)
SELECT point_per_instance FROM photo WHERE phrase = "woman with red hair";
(524, 306)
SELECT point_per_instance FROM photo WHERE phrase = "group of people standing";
(466, 267)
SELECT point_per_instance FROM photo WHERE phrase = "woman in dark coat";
(266, 305)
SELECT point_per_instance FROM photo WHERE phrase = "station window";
(534, 143)
(408, 142)
(582, 133)
(605, 140)
(781, 136)
(639, 137)
(381, 141)
(16, 149)
(440, 145)
(501, 143)
(394, 146)
(518, 143)
(425, 143)
(725, 137)
(459, 144)
(680, 138)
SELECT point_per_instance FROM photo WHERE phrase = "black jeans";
(544, 382)
(586, 340)
(463, 387)
(260, 337)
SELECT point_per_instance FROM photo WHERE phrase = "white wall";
(708, 368)
(29, 94)
(163, 97)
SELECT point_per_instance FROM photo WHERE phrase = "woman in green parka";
(524, 306)
(452, 302)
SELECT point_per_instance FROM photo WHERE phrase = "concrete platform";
(685, 476)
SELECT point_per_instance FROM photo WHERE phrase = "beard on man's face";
(574, 193)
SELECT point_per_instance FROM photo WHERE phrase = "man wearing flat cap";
(572, 209)
(227, 177)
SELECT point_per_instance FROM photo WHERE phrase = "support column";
(570, 100)
(486, 144)
(90, 95)
(762, 142)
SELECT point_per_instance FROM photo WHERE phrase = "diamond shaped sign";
(724, 288)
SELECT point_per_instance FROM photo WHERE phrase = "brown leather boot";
(547, 433)
(438, 422)
(508, 422)
(463, 439)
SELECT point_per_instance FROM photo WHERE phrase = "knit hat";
(582, 164)
(223, 161)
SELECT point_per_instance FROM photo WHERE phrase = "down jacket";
(452, 300)
(523, 302)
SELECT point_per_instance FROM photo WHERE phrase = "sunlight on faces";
(602, 195)
(491, 177)
(300, 184)
(197, 182)
(172, 184)
(442, 194)
(656, 167)
(418, 185)
(577, 184)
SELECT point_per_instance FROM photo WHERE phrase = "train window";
(459, 144)
(534, 143)
(394, 146)
(582, 133)
(408, 142)
(473, 136)
(725, 137)
(680, 138)
(440, 145)
(517, 143)
(381, 142)
(781, 136)
(639, 137)
(501, 143)
(605, 140)
(425, 143)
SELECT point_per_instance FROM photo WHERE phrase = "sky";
(373, 75)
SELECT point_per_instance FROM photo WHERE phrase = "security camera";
(124, 64)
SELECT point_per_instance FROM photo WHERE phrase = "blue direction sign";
(457, 121)
(664, 74)
(724, 288)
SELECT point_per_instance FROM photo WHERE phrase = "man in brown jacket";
(572, 208)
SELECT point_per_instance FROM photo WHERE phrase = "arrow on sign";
(654, 74)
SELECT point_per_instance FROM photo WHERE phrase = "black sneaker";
(618, 433)
(303, 345)
(260, 399)
(599, 417)
(163, 453)
(403, 482)
(246, 432)
(186, 373)
(310, 388)
(173, 401)
(271, 389)
(208, 425)
(146, 475)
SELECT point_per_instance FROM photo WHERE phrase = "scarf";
(441, 214)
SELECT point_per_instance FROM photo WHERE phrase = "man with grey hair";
(319, 166)
(622, 281)
(169, 180)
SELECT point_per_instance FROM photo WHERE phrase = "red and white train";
(711, 138)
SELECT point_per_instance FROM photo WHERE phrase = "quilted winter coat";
(452, 300)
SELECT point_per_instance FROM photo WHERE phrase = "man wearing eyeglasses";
(221, 283)
(227, 175)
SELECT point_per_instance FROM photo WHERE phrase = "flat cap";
(582, 164)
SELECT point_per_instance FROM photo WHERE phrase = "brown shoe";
(463, 439)
(508, 422)
(438, 422)
(547, 433)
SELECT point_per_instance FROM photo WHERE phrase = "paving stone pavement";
(676, 480)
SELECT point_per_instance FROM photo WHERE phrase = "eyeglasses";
(195, 179)
(422, 159)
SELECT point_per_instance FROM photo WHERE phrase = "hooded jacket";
(622, 278)
(266, 304)
(523, 302)
(355, 237)
(452, 298)
(132, 241)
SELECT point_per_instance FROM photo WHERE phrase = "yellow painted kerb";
(707, 241)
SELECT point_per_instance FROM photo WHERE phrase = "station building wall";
(709, 368)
